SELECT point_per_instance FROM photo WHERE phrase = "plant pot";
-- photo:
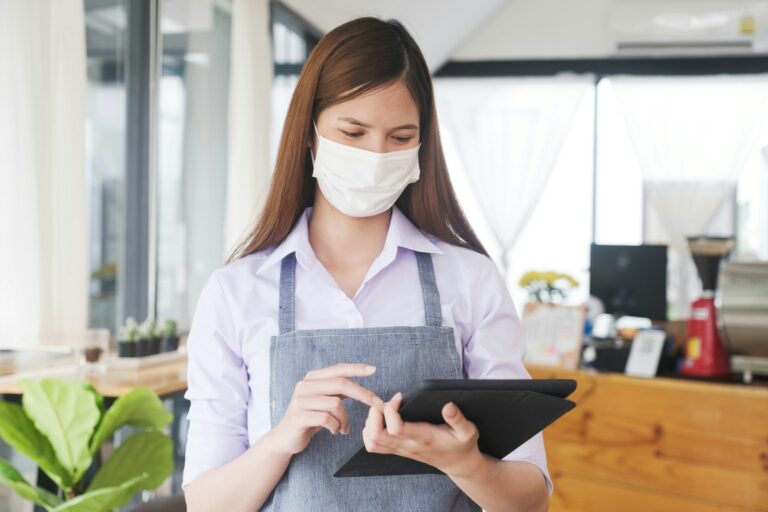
(154, 345)
(170, 343)
(126, 348)
(143, 347)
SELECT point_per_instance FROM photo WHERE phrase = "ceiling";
(438, 26)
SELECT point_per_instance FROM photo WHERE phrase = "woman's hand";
(451, 447)
(317, 403)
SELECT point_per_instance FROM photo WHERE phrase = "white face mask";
(362, 183)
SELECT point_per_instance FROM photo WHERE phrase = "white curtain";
(692, 137)
(508, 134)
(43, 224)
(249, 117)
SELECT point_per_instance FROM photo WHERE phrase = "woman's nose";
(377, 144)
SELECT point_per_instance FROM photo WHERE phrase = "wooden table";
(660, 444)
(165, 379)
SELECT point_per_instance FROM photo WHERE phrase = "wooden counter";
(165, 379)
(659, 444)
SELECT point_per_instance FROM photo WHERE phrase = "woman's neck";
(339, 240)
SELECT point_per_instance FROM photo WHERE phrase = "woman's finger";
(463, 428)
(341, 370)
(308, 419)
(375, 420)
(331, 404)
(374, 430)
(338, 386)
(394, 422)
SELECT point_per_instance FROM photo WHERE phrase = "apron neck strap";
(432, 311)
(287, 309)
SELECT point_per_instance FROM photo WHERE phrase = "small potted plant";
(155, 338)
(148, 338)
(170, 336)
(127, 345)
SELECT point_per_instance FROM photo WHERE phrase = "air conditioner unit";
(665, 28)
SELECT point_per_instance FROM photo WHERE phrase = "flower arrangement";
(547, 287)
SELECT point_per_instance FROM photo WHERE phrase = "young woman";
(360, 279)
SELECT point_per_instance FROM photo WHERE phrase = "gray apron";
(403, 357)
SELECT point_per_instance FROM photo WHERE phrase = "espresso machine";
(705, 355)
(744, 314)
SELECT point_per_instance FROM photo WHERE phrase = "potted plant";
(155, 338)
(148, 338)
(106, 276)
(170, 336)
(127, 345)
(62, 424)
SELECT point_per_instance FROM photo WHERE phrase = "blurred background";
(611, 154)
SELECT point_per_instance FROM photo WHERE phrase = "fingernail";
(378, 401)
(450, 410)
(370, 369)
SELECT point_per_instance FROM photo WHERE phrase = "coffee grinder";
(705, 355)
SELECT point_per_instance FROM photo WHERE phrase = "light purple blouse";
(228, 343)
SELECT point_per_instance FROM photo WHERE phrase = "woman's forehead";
(388, 106)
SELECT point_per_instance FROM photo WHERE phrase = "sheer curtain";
(249, 169)
(692, 137)
(43, 223)
(508, 133)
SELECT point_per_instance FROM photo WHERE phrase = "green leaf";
(144, 452)
(139, 408)
(18, 431)
(96, 395)
(11, 477)
(104, 500)
(66, 414)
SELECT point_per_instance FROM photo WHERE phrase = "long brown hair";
(356, 57)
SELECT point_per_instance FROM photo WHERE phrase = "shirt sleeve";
(495, 348)
(217, 386)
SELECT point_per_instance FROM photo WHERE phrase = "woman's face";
(383, 120)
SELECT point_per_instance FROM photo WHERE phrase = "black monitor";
(630, 279)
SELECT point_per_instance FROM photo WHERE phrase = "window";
(668, 151)
(292, 40)
(519, 151)
(192, 152)
(668, 147)
(105, 154)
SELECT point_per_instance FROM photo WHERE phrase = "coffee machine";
(705, 355)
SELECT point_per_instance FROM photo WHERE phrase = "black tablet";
(507, 413)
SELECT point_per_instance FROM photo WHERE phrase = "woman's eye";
(351, 134)
(402, 139)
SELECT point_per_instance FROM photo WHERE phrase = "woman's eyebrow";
(355, 121)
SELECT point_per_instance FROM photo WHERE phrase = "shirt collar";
(401, 233)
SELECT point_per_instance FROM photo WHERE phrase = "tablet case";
(505, 419)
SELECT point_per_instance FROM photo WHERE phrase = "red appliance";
(705, 355)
